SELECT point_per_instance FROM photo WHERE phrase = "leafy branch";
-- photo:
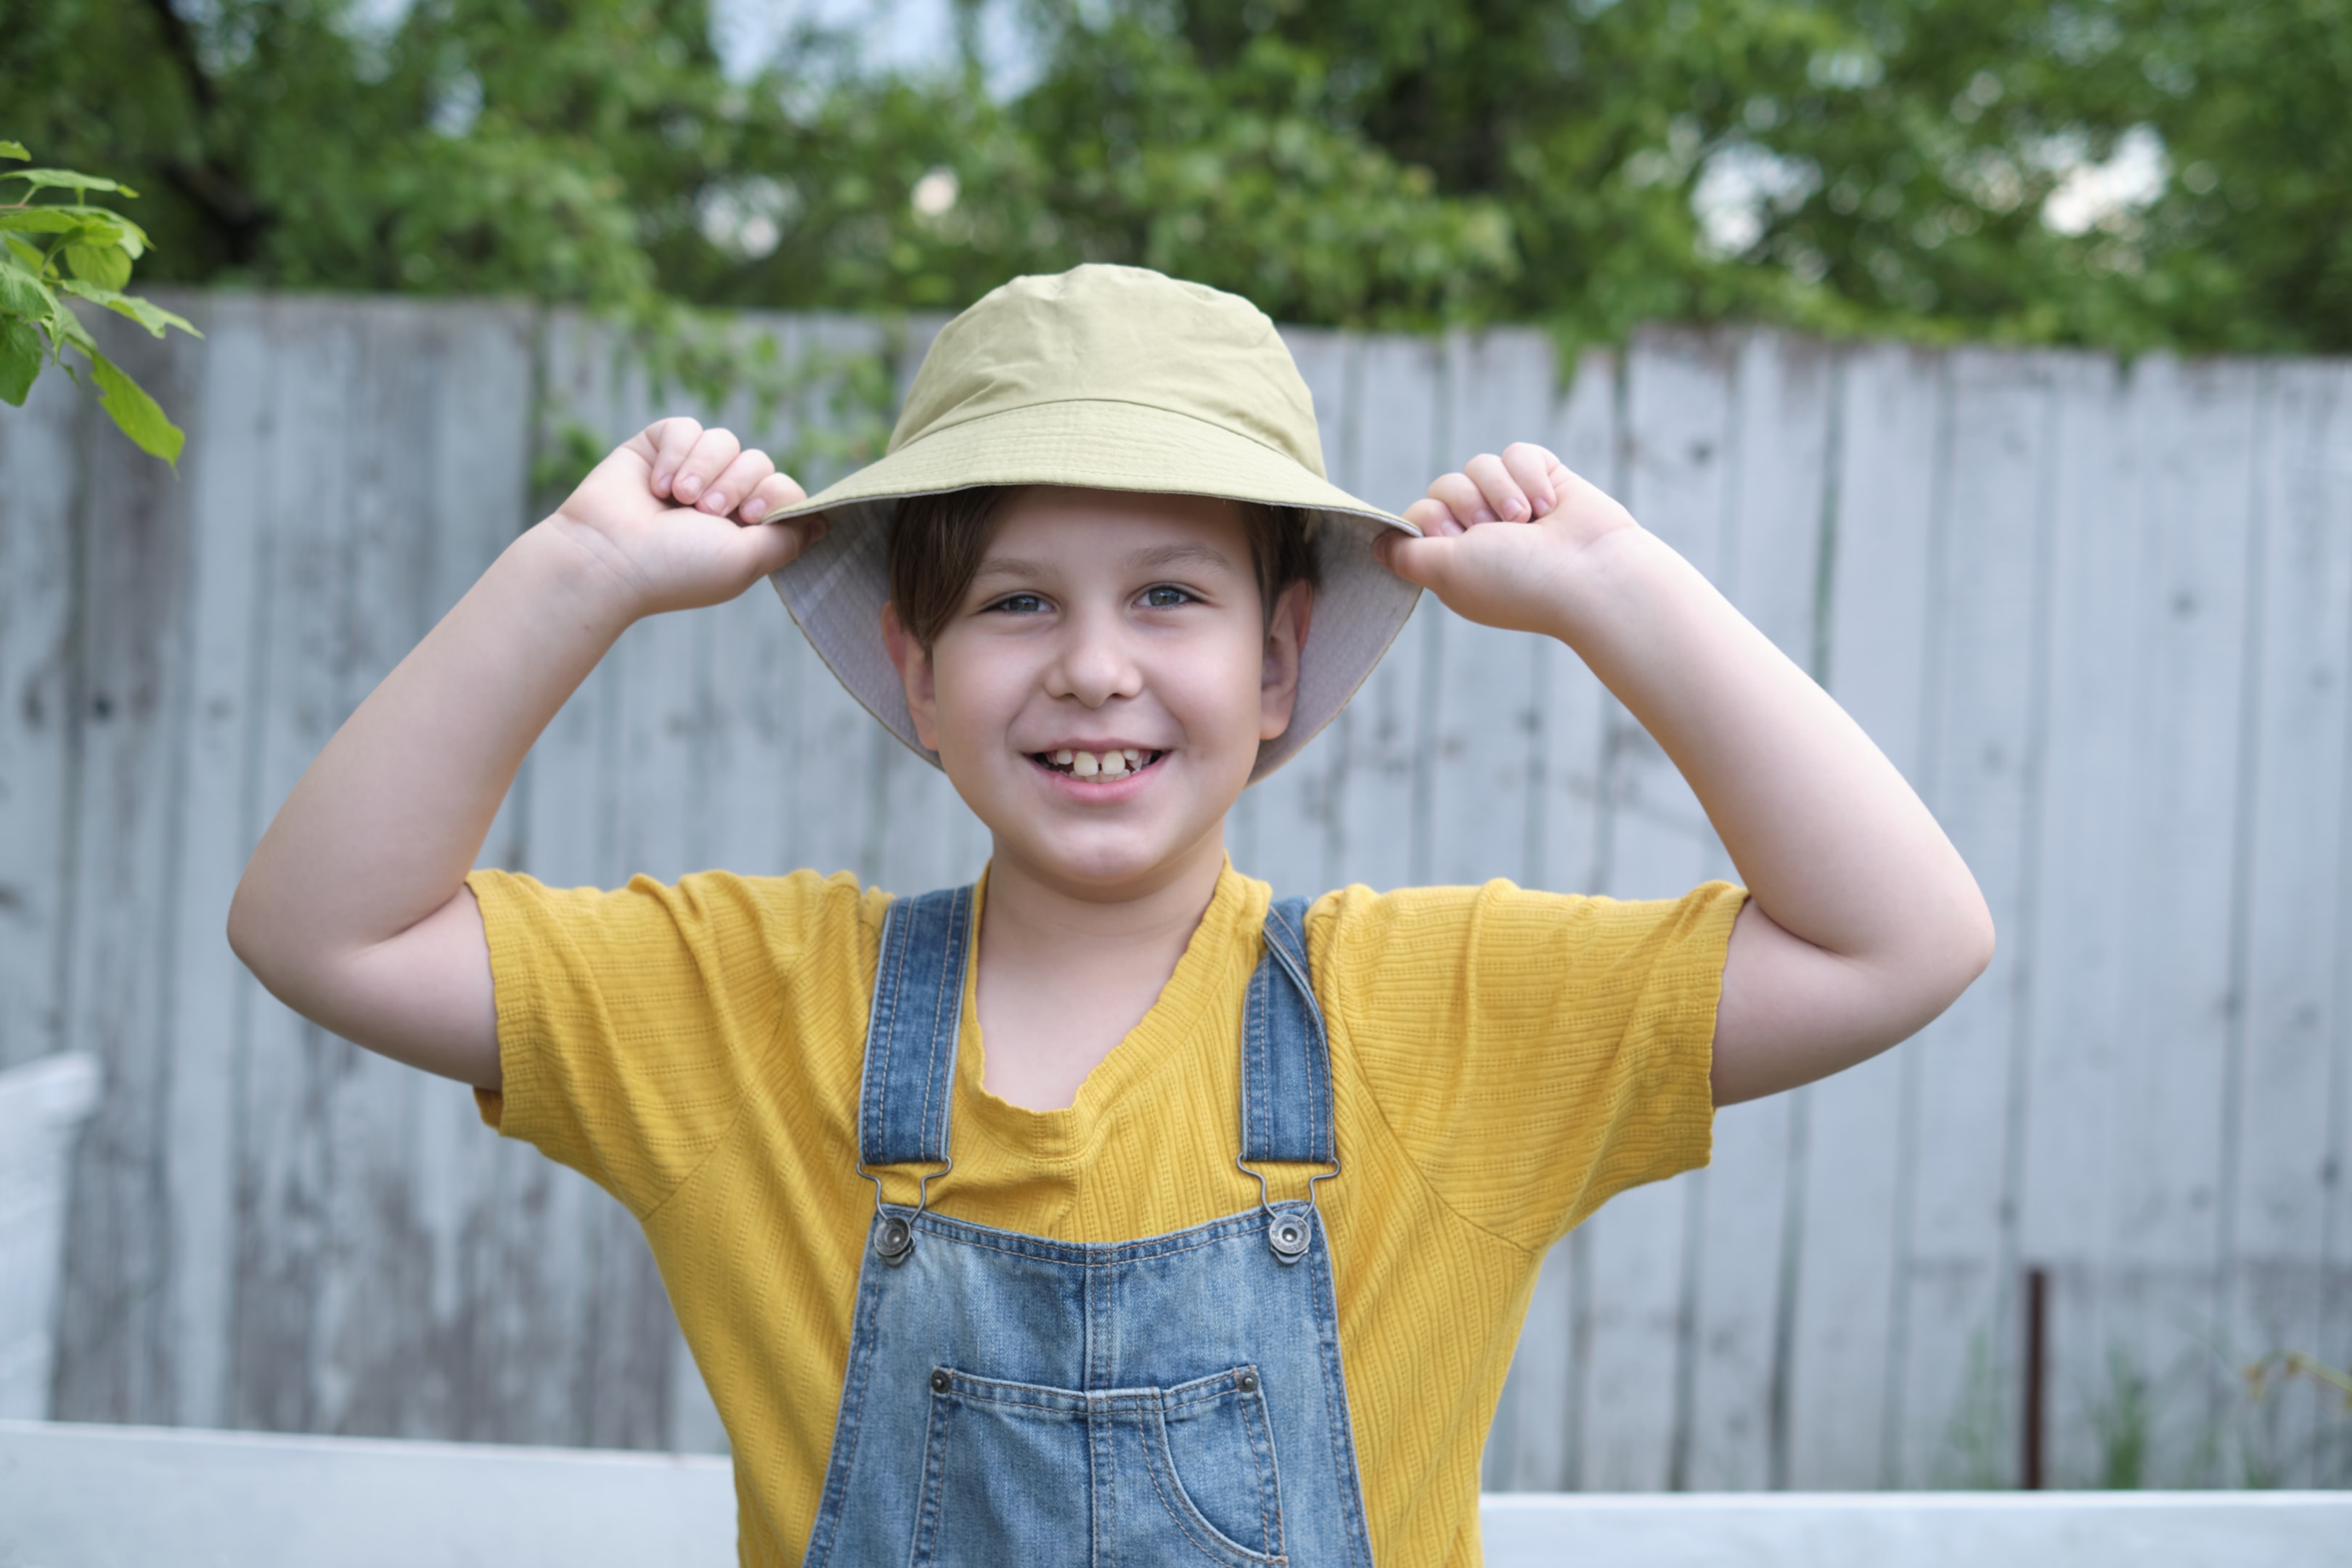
(840, 401)
(53, 251)
(2285, 1366)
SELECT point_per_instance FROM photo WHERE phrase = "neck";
(1066, 973)
(1025, 908)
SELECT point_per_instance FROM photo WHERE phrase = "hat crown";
(1116, 334)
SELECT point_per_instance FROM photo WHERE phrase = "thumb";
(1422, 562)
(765, 547)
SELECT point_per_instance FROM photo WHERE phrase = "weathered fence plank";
(1889, 420)
(1957, 1401)
(2289, 1133)
(40, 445)
(2099, 614)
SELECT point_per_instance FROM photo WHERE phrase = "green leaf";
(22, 294)
(20, 360)
(138, 416)
(13, 149)
(28, 254)
(41, 220)
(147, 313)
(65, 180)
(105, 265)
(81, 225)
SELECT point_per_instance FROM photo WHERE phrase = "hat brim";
(836, 589)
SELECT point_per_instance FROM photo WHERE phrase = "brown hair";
(937, 541)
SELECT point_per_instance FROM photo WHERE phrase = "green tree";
(52, 252)
(1840, 165)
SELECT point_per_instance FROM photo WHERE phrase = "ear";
(914, 662)
(1285, 639)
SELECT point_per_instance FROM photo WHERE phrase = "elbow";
(252, 937)
(244, 936)
(1966, 949)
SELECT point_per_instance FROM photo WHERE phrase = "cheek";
(977, 697)
(1215, 693)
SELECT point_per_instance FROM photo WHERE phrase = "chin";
(1093, 861)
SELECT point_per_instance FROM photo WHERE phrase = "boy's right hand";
(673, 518)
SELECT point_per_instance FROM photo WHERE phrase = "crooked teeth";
(1113, 764)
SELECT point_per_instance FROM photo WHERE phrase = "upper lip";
(1096, 747)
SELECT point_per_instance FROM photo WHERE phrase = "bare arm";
(353, 910)
(1863, 923)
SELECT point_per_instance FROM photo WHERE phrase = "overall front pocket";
(1021, 1473)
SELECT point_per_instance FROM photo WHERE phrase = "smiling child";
(1108, 1211)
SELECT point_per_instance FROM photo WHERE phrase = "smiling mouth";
(1104, 768)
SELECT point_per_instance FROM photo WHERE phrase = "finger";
(1500, 491)
(713, 450)
(749, 470)
(1532, 466)
(773, 494)
(672, 440)
(1429, 516)
(1464, 505)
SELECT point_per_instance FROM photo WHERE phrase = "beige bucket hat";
(1104, 378)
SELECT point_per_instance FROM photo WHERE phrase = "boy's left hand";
(1504, 540)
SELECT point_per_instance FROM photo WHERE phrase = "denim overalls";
(1017, 1403)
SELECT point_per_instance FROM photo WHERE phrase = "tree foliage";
(1885, 165)
(53, 251)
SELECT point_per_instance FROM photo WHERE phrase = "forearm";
(1833, 844)
(380, 831)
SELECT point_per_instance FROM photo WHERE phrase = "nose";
(1096, 662)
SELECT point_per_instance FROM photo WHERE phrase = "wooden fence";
(2102, 616)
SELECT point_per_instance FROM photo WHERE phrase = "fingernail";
(1516, 510)
(754, 510)
(661, 483)
(816, 530)
(687, 485)
(1485, 516)
(716, 502)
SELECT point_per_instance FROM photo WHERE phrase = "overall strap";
(1286, 1059)
(911, 1036)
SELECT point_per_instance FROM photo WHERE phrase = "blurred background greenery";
(2125, 173)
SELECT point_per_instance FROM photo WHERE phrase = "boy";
(1198, 1228)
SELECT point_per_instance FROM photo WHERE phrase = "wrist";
(580, 570)
(1608, 582)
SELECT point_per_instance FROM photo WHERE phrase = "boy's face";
(1103, 625)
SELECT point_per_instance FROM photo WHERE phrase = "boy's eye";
(1165, 598)
(1020, 604)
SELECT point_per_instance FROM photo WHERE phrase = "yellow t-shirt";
(1502, 1061)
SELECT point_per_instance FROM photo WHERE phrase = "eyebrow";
(1186, 552)
(1008, 566)
(1189, 552)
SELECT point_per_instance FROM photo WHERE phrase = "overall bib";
(1013, 1401)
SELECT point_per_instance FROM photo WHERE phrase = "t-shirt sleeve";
(630, 1022)
(1534, 1053)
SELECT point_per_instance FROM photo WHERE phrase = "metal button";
(1246, 1382)
(941, 1382)
(1287, 1236)
(894, 1238)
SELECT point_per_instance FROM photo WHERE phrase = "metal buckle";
(893, 1235)
(1288, 1234)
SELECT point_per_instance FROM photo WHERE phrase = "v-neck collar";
(1213, 973)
